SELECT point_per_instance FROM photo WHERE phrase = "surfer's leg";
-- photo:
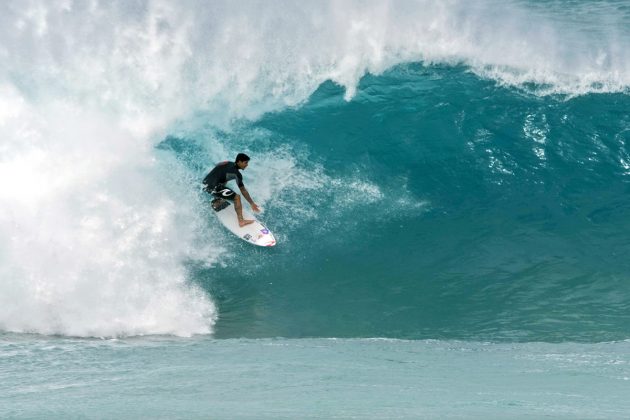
(239, 212)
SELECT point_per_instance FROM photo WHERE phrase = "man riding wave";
(214, 183)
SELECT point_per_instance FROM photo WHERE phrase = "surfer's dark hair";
(242, 157)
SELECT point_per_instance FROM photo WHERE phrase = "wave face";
(448, 207)
(431, 170)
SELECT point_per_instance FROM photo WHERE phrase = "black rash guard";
(221, 174)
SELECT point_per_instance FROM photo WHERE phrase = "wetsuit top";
(222, 173)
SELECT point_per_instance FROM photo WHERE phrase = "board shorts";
(220, 191)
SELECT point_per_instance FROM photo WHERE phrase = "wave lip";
(164, 60)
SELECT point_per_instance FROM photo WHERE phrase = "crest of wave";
(238, 59)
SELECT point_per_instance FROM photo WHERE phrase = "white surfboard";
(255, 233)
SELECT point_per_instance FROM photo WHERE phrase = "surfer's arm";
(248, 198)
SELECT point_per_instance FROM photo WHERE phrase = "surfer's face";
(242, 164)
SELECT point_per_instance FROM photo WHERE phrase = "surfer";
(214, 183)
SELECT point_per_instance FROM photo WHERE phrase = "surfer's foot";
(245, 222)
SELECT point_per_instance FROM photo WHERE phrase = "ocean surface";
(448, 182)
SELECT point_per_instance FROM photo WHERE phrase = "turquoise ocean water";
(449, 184)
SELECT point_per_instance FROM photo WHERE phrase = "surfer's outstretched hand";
(256, 208)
